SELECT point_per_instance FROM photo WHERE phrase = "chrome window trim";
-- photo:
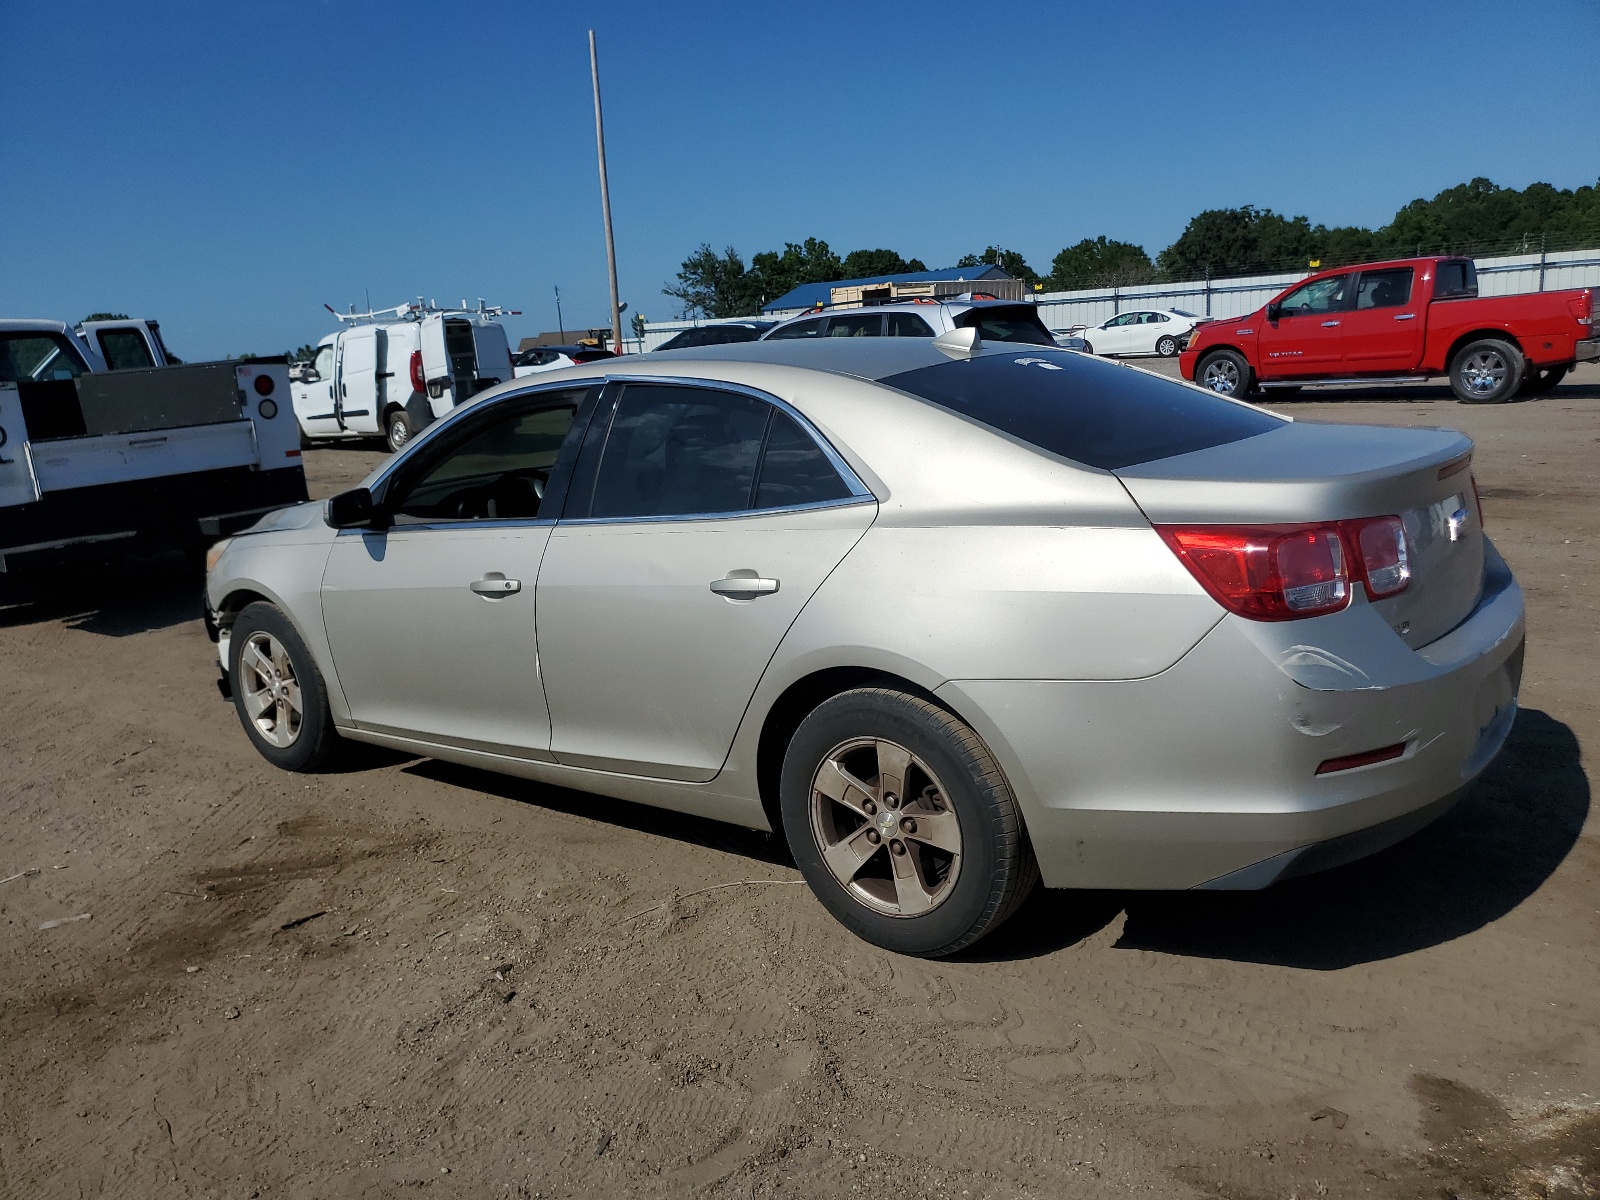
(680, 518)
(464, 523)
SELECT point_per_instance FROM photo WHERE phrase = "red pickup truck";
(1403, 320)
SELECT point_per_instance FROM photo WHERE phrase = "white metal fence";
(1234, 297)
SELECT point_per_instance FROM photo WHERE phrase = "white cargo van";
(395, 370)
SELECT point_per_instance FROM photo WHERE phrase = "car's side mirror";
(354, 509)
(309, 375)
(1274, 310)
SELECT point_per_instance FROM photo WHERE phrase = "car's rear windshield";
(1007, 323)
(1085, 409)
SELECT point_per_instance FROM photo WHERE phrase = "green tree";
(775, 273)
(104, 317)
(306, 353)
(1009, 261)
(869, 264)
(713, 285)
(1099, 260)
(1237, 241)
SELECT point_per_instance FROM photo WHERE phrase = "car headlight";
(215, 553)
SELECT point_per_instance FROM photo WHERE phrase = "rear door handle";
(495, 587)
(1329, 324)
(1406, 317)
(744, 587)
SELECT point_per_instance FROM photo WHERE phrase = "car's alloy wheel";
(1222, 375)
(1484, 373)
(884, 827)
(269, 690)
(1167, 346)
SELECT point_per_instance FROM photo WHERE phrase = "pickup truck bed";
(178, 455)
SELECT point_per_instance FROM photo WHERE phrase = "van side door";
(358, 379)
(492, 351)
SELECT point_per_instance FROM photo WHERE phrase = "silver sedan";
(951, 617)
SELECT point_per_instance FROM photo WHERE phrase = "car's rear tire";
(1487, 371)
(1225, 372)
(278, 692)
(903, 823)
(397, 429)
(1536, 381)
(1166, 345)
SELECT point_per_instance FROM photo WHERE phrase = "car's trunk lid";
(1306, 472)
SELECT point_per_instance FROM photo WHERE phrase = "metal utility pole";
(559, 325)
(605, 199)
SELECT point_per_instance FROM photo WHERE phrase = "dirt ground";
(221, 980)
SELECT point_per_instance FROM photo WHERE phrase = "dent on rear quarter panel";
(1010, 602)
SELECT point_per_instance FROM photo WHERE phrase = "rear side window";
(1084, 409)
(1454, 279)
(800, 329)
(124, 348)
(794, 469)
(1011, 323)
(1384, 289)
(904, 324)
(37, 356)
(856, 325)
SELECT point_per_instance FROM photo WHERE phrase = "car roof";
(864, 358)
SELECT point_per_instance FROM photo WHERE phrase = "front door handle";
(740, 586)
(495, 586)
(1329, 324)
(1406, 317)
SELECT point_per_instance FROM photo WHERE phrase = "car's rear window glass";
(794, 470)
(1015, 323)
(1097, 413)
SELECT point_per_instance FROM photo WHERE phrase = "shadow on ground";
(1472, 866)
(115, 598)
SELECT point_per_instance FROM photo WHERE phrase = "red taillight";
(1285, 572)
(418, 383)
(1582, 306)
(264, 385)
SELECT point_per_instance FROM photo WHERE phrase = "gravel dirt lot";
(415, 979)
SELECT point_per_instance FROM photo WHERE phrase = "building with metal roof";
(809, 295)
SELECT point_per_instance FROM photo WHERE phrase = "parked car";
(720, 334)
(95, 460)
(394, 372)
(539, 359)
(952, 615)
(995, 320)
(1397, 321)
(1145, 331)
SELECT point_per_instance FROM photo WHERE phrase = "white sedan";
(1159, 331)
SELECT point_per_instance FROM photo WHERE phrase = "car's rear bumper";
(1206, 774)
(1587, 350)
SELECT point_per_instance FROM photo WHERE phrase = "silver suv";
(995, 321)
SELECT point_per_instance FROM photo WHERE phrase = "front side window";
(856, 325)
(498, 473)
(1384, 289)
(324, 363)
(904, 324)
(1319, 296)
(799, 329)
(1084, 409)
(1119, 321)
(124, 348)
(32, 356)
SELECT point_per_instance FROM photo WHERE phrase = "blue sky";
(228, 168)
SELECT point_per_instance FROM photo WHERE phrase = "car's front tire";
(903, 823)
(278, 692)
(1225, 372)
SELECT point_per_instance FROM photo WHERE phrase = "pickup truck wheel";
(397, 429)
(903, 824)
(1166, 346)
(1488, 371)
(278, 691)
(1540, 380)
(1225, 372)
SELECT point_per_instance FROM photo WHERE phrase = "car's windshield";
(36, 355)
(1093, 412)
